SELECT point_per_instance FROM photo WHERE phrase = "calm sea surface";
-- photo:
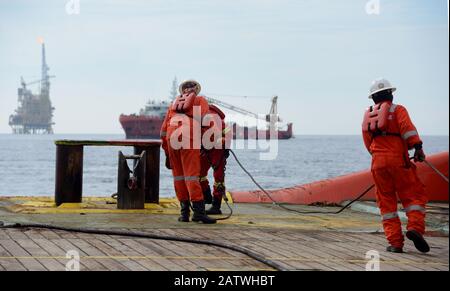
(27, 163)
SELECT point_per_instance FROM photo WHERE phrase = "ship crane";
(22, 81)
(233, 108)
(273, 109)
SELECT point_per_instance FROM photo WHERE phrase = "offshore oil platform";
(34, 112)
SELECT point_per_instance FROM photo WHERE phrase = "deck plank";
(230, 259)
(297, 247)
(52, 249)
(148, 264)
(146, 250)
(85, 264)
(42, 256)
(412, 261)
(24, 257)
(110, 251)
(15, 233)
(267, 252)
(345, 242)
(237, 238)
(90, 250)
(304, 254)
(240, 261)
(408, 262)
(173, 250)
(322, 253)
(8, 262)
(167, 254)
(42, 249)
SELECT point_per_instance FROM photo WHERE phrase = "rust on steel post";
(69, 174)
(152, 172)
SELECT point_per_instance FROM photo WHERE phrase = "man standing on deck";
(181, 143)
(388, 135)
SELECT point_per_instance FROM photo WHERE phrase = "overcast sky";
(318, 56)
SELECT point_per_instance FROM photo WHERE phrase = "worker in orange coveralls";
(182, 120)
(215, 158)
(388, 135)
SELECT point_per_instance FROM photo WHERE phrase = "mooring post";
(152, 172)
(69, 174)
(131, 188)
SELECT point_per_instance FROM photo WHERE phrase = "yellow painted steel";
(230, 198)
(243, 217)
(46, 205)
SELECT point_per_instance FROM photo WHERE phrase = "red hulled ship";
(147, 124)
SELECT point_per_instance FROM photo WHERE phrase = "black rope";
(235, 248)
(225, 198)
(294, 210)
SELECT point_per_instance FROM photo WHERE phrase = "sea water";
(27, 163)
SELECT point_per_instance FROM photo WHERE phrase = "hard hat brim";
(199, 87)
(383, 89)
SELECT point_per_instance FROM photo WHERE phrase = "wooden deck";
(296, 242)
(41, 250)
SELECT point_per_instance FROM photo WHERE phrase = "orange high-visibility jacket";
(391, 149)
(167, 129)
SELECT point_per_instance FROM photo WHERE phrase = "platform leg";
(152, 172)
(69, 174)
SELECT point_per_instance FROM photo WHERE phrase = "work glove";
(168, 166)
(419, 155)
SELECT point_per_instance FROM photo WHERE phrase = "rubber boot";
(215, 208)
(200, 213)
(419, 242)
(207, 195)
(393, 249)
(185, 211)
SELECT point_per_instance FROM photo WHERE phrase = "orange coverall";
(395, 176)
(185, 162)
(216, 159)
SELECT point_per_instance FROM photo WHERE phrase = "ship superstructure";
(147, 124)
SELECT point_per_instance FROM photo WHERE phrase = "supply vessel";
(147, 123)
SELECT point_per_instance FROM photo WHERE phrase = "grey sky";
(319, 56)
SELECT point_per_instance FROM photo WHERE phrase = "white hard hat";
(198, 88)
(379, 85)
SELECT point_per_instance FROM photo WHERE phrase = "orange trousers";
(186, 172)
(402, 183)
(215, 159)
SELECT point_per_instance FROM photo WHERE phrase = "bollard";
(131, 183)
(152, 172)
(69, 174)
